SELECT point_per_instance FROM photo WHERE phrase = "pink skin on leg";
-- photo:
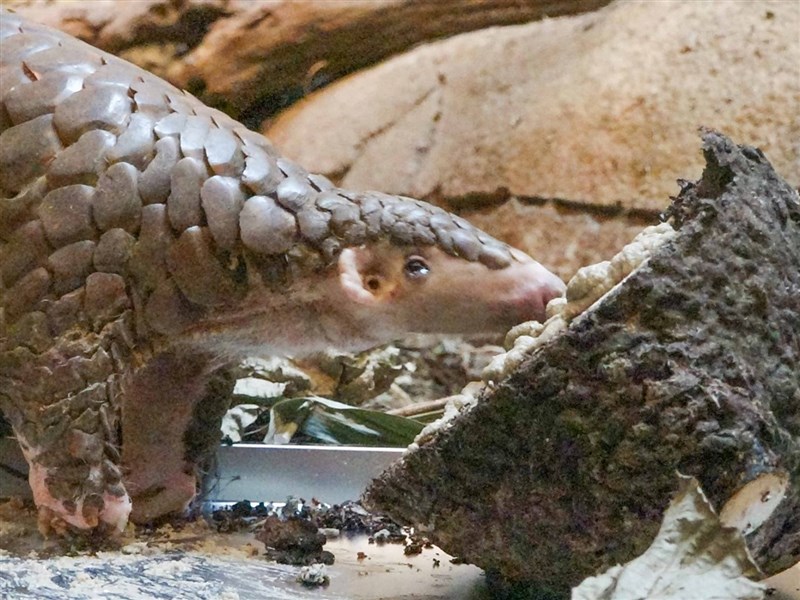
(114, 514)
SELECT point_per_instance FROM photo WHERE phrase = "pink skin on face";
(372, 297)
(426, 290)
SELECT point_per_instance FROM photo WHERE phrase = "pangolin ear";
(351, 261)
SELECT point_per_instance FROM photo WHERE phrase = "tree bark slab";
(690, 365)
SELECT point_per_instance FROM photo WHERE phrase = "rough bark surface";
(692, 364)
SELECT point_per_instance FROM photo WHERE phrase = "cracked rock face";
(690, 364)
(561, 108)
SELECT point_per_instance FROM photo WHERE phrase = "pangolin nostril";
(540, 286)
(554, 289)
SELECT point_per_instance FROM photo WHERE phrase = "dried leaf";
(693, 556)
(237, 419)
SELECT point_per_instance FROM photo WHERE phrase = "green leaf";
(315, 420)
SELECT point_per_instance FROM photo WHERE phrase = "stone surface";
(598, 108)
(690, 364)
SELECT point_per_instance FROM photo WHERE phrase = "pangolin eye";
(416, 267)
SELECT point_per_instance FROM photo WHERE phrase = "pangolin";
(148, 241)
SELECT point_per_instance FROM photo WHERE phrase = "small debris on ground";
(293, 541)
(314, 575)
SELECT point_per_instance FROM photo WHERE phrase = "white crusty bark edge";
(586, 288)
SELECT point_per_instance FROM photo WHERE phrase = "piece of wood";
(254, 58)
(268, 55)
(691, 365)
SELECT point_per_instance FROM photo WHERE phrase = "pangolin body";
(146, 241)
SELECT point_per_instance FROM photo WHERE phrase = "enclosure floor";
(197, 563)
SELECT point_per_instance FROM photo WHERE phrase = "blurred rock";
(596, 109)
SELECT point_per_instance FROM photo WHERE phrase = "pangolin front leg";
(61, 403)
(171, 412)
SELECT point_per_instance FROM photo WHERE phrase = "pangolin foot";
(104, 512)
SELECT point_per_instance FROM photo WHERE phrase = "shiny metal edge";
(269, 473)
(257, 472)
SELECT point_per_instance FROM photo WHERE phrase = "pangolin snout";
(534, 287)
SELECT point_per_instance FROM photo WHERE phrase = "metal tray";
(256, 472)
